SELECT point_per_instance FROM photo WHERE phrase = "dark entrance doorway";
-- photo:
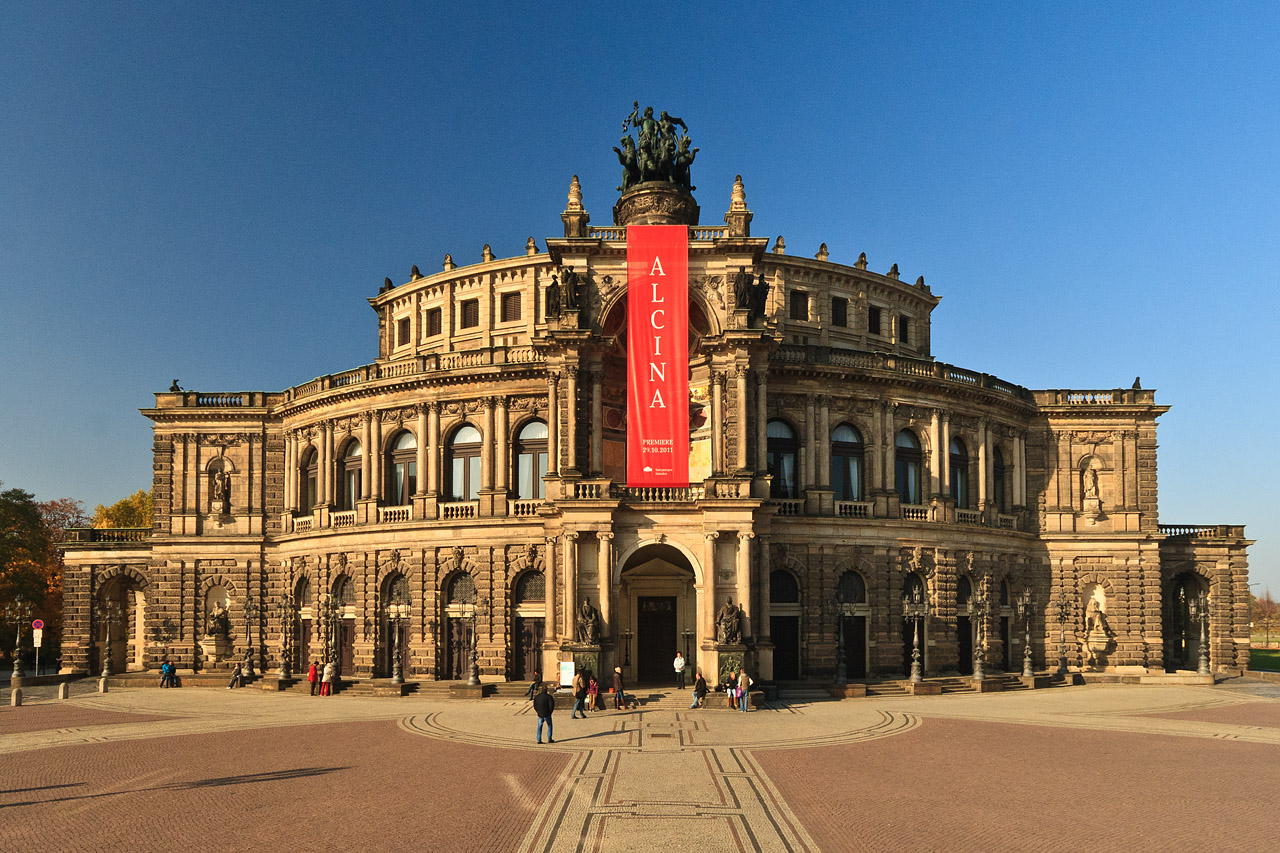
(853, 639)
(528, 640)
(785, 633)
(964, 645)
(655, 638)
(457, 663)
(302, 655)
(1004, 643)
(908, 644)
(347, 647)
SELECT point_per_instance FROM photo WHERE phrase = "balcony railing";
(660, 494)
(1007, 522)
(1195, 531)
(303, 524)
(853, 509)
(523, 509)
(968, 516)
(786, 506)
(798, 354)
(459, 510)
(346, 518)
(108, 534)
(914, 513)
(395, 514)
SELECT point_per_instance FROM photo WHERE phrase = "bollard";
(102, 684)
(64, 690)
(15, 698)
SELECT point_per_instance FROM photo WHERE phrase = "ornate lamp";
(108, 612)
(285, 610)
(980, 604)
(250, 618)
(915, 606)
(1025, 605)
(397, 613)
(480, 605)
(19, 612)
(1062, 605)
(1199, 607)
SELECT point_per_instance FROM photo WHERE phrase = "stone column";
(762, 420)
(604, 573)
(421, 456)
(328, 463)
(762, 596)
(824, 442)
(290, 472)
(707, 601)
(571, 389)
(570, 584)
(502, 448)
(744, 580)
(596, 372)
(1022, 469)
(935, 458)
(549, 570)
(486, 448)
(553, 424)
(810, 442)
(944, 480)
(433, 448)
(742, 428)
(374, 454)
(366, 454)
(984, 457)
(717, 423)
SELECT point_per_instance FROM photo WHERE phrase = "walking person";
(731, 689)
(744, 691)
(236, 675)
(699, 689)
(313, 676)
(543, 704)
(579, 696)
(593, 694)
(619, 692)
(330, 672)
(533, 685)
(679, 668)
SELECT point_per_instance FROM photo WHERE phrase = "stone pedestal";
(471, 691)
(585, 657)
(927, 688)
(849, 691)
(730, 657)
(215, 649)
(655, 203)
(987, 685)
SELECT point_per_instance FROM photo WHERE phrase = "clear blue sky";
(210, 192)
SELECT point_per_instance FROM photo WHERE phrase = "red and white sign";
(657, 355)
(37, 624)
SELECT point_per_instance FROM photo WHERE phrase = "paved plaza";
(1104, 767)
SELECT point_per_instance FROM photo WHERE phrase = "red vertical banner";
(657, 355)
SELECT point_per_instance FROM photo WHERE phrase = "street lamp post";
(250, 617)
(397, 612)
(481, 604)
(1062, 631)
(1200, 612)
(108, 611)
(916, 607)
(626, 648)
(330, 610)
(285, 611)
(980, 602)
(1025, 604)
(19, 612)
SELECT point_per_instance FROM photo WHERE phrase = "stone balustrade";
(456, 510)
(108, 534)
(346, 518)
(1204, 531)
(394, 514)
(914, 513)
(854, 509)
(799, 354)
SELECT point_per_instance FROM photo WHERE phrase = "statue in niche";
(571, 289)
(760, 300)
(220, 494)
(553, 298)
(743, 291)
(219, 621)
(1090, 480)
(588, 628)
(1098, 634)
(729, 624)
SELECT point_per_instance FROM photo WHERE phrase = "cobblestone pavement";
(1132, 768)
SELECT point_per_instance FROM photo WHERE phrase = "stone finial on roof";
(530, 247)
(920, 281)
(449, 264)
(738, 218)
(414, 273)
(386, 285)
(738, 200)
(575, 216)
(893, 271)
(575, 196)
(823, 254)
(486, 254)
(862, 261)
(779, 248)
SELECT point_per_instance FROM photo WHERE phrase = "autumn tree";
(133, 511)
(1266, 615)
(30, 562)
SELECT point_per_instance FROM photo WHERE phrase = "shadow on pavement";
(243, 779)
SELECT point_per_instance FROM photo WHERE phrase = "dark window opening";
(839, 311)
(799, 305)
(470, 314)
(510, 307)
(434, 322)
(402, 331)
(873, 320)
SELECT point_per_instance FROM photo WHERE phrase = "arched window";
(783, 588)
(846, 463)
(464, 464)
(462, 590)
(531, 461)
(782, 460)
(349, 475)
(1004, 593)
(532, 586)
(997, 480)
(851, 589)
(308, 469)
(906, 467)
(959, 474)
(402, 470)
(964, 593)
(913, 588)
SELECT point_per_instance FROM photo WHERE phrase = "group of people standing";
(168, 674)
(737, 685)
(324, 675)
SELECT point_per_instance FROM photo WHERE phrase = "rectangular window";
(799, 305)
(904, 330)
(402, 331)
(434, 324)
(510, 307)
(873, 320)
(470, 314)
(839, 311)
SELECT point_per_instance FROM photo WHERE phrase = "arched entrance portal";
(1182, 629)
(659, 613)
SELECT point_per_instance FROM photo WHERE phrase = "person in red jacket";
(313, 677)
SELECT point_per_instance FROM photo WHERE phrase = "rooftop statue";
(660, 154)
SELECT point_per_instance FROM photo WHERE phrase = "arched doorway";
(1182, 630)
(529, 624)
(395, 592)
(343, 639)
(784, 624)
(302, 653)
(459, 610)
(660, 612)
(964, 626)
(851, 593)
(121, 614)
(1006, 620)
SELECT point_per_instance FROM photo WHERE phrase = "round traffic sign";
(38, 624)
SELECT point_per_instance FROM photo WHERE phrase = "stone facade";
(836, 466)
